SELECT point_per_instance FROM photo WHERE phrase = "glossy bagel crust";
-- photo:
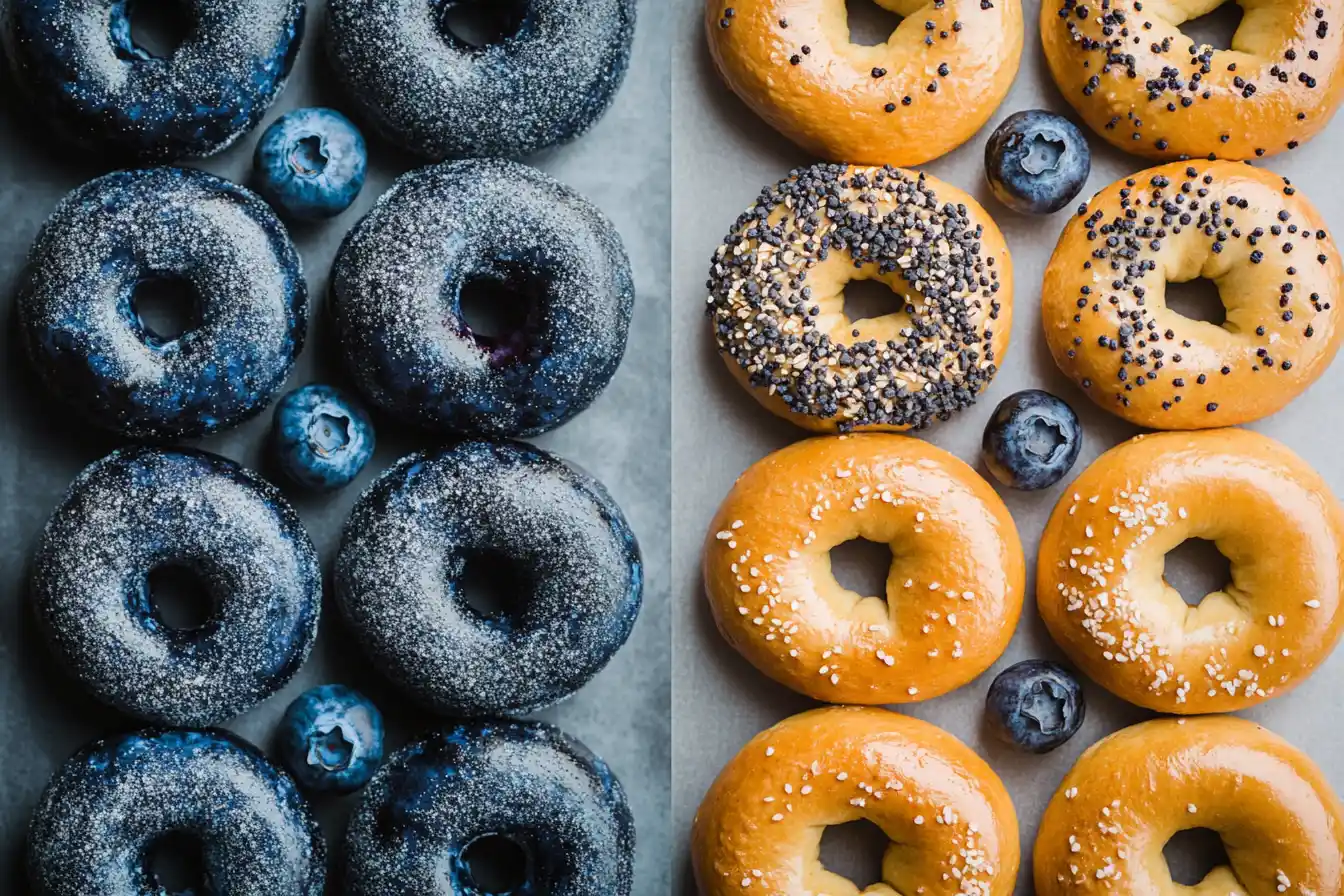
(1103, 302)
(953, 595)
(919, 95)
(777, 301)
(1104, 830)
(951, 824)
(1100, 586)
(1141, 84)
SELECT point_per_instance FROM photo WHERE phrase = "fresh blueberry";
(331, 739)
(1031, 440)
(321, 436)
(1037, 161)
(1035, 705)
(311, 164)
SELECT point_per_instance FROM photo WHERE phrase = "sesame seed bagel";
(1100, 585)
(778, 309)
(951, 824)
(1104, 308)
(934, 82)
(1104, 830)
(1140, 83)
(953, 595)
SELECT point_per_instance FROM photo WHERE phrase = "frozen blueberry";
(1035, 705)
(331, 739)
(1036, 161)
(1031, 440)
(322, 438)
(311, 164)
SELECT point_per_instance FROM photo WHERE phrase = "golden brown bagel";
(1161, 96)
(1104, 830)
(1103, 303)
(778, 309)
(951, 825)
(953, 595)
(1099, 575)
(936, 80)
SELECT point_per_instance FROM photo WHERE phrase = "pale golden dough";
(1104, 830)
(1100, 586)
(951, 824)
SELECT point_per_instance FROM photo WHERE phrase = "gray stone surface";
(722, 156)
(623, 166)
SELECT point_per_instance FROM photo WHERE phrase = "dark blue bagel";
(76, 61)
(108, 806)
(525, 781)
(397, 290)
(575, 569)
(232, 254)
(141, 509)
(436, 95)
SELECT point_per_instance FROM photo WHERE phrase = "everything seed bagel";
(777, 298)
(1104, 830)
(950, 821)
(1101, 591)
(953, 595)
(922, 93)
(1127, 69)
(1103, 302)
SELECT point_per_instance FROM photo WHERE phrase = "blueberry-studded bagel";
(777, 306)
(1103, 303)
(80, 64)
(924, 91)
(1100, 585)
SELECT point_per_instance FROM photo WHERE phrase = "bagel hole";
(179, 598)
(167, 308)
(309, 156)
(1215, 28)
(870, 24)
(329, 434)
(482, 23)
(331, 750)
(865, 299)
(1192, 854)
(493, 586)
(497, 309)
(1197, 299)
(159, 27)
(496, 863)
(176, 864)
(854, 851)
(862, 566)
(1196, 568)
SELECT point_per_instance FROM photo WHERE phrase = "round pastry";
(1103, 303)
(479, 518)
(1130, 793)
(934, 82)
(1148, 89)
(120, 244)
(1101, 590)
(542, 73)
(521, 789)
(953, 595)
(142, 523)
(951, 824)
(547, 260)
(119, 802)
(79, 62)
(777, 305)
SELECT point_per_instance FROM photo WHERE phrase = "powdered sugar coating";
(106, 807)
(139, 509)
(79, 65)
(408, 543)
(88, 343)
(530, 782)
(397, 299)
(436, 95)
